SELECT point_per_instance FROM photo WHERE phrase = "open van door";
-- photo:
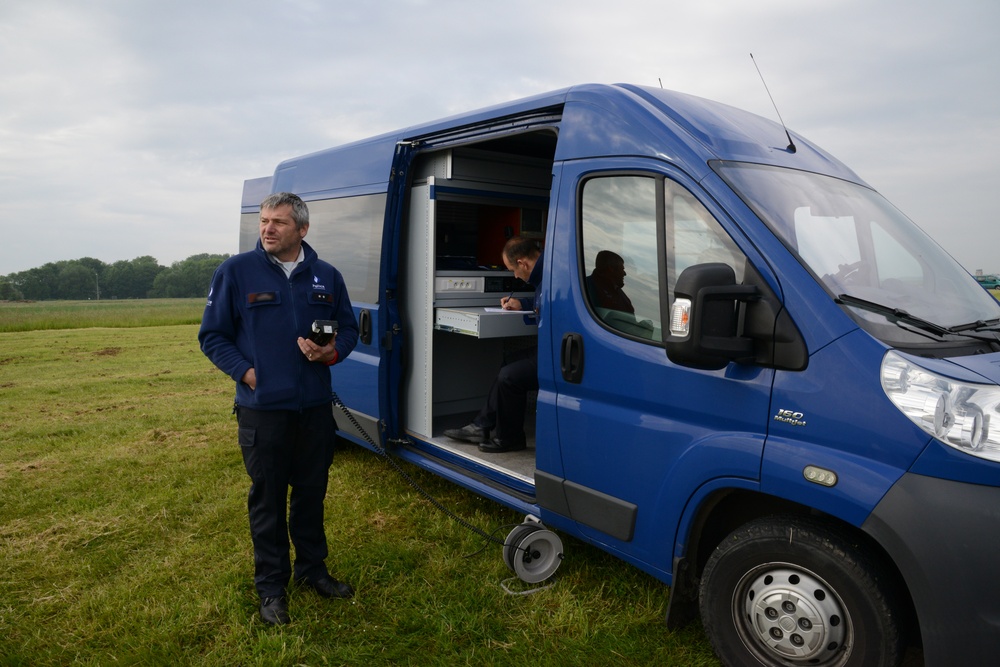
(390, 331)
(456, 195)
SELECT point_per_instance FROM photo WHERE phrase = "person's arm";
(217, 335)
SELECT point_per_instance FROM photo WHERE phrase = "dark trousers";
(508, 397)
(282, 449)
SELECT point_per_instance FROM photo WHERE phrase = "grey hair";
(300, 212)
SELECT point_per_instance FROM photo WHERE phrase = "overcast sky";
(127, 127)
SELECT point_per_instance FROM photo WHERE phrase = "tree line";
(89, 278)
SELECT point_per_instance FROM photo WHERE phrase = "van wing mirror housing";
(714, 321)
(705, 317)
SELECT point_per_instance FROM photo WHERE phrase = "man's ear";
(303, 230)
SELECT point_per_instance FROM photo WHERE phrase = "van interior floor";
(520, 463)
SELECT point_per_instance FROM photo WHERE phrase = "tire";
(792, 591)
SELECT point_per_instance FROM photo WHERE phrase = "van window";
(826, 242)
(622, 258)
(694, 236)
(347, 233)
(858, 245)
(833, 246)
(897, 265)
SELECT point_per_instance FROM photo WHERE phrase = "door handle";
(571, 358)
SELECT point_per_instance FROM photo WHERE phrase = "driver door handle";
(571, 358)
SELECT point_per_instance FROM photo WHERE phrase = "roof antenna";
(791, 144)
(661, 82)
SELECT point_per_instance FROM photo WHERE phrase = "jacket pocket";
(255, 299)
(275, 387)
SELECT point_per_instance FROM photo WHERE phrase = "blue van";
(790, 423)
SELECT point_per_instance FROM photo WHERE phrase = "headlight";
(956, 413)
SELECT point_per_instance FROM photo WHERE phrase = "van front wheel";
(792, 591)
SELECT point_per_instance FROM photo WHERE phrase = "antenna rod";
(791, 144)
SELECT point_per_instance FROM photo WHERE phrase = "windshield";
(861, 247)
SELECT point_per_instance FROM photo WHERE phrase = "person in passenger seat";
(605, 282)
(506, 403)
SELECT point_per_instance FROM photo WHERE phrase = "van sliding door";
(505, 162)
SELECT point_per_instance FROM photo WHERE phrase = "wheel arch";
(725, 510)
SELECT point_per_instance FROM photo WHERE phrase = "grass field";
(35, 315)
(124, 537)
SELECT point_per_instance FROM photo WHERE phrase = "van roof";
(596, 120)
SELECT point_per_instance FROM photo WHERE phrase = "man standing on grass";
(256, 329)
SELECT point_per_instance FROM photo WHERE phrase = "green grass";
(35, 315)
(124, 537)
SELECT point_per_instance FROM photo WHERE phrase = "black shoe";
(329, 587)
(469, 433)
(274, 611)
(496, 446)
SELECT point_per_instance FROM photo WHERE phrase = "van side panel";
(347, 192)
(255, 190)
(359, 167)
(857, 435)
(597, 125)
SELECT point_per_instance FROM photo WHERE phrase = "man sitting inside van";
(506, 403)
(605, 282)
(609, 300)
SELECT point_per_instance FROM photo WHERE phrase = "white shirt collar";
(288, 267)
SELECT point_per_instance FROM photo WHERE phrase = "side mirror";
(704, 318)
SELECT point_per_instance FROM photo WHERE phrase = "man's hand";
(510, 303)
(321, 354)
(250, 379)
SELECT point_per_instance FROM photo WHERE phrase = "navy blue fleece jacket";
(255, 315)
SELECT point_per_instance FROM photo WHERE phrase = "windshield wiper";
(978, 325)
(899, 317)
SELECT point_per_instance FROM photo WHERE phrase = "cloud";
(127, 128)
